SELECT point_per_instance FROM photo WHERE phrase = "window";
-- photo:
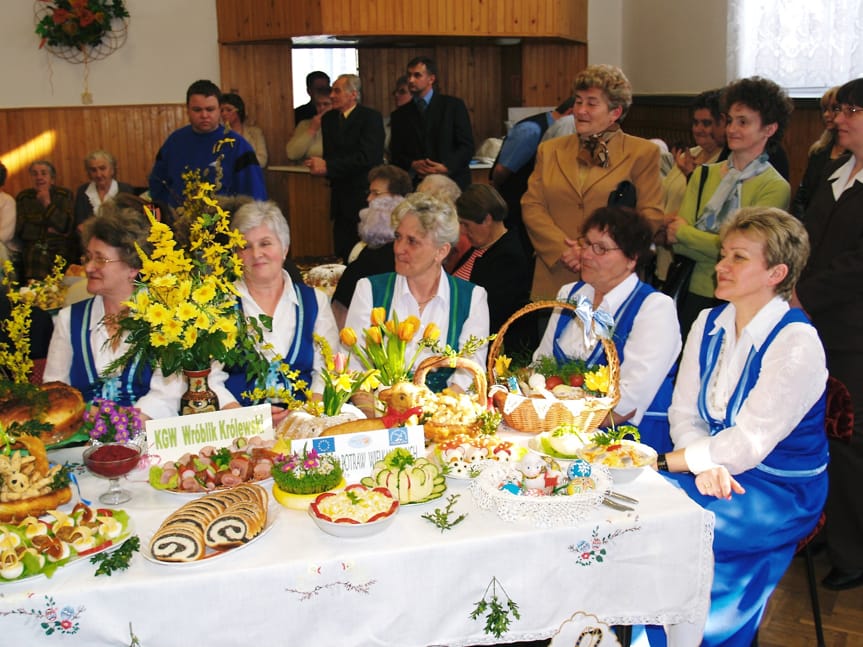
(806, 47)
(342, 60)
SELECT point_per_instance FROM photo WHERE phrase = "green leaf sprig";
(441, 517)
(496, 611)
(117, 560)
(616, 434)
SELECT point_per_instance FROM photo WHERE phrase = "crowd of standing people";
(772, 303)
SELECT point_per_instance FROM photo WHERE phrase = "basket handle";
(442, 361)
(607, 345)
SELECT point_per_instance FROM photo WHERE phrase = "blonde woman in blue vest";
(747, 418)
(425, 231)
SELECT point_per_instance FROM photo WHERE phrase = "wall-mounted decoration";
(81, 31)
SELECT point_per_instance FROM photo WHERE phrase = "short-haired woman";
(758, 111)
(495, 260)
(85, 341)
(425, 230)
(45, 222)
(615, 246)
(101, 167)
(747, 418)
(298, 312)
(575, 175)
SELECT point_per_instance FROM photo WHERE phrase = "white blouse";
(281, 337)
(163, 398)
(437, 311)
(652, 346)
(792, 379)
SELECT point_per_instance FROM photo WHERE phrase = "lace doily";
(541, 511)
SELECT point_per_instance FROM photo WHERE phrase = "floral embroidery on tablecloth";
(52, 618)
(350, 587)
(588, 552)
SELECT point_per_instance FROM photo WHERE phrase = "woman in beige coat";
(575, 175)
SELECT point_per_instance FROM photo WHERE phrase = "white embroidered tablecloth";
(409, 585)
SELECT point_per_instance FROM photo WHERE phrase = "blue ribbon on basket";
(595, 323)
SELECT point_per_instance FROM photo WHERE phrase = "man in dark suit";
(431, 134)
(353, 144)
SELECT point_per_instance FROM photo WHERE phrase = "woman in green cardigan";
(757, 111)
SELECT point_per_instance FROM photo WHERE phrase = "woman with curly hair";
(575, 175)
(758, 111)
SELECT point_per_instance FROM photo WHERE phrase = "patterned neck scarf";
(726, 199)
(593, 149)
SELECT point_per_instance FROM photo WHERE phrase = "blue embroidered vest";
(460, 292)
(803, 453)
(300, 356)
(125, 389)
(653, 428)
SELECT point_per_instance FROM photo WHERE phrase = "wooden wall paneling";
(379, 69)
(259, 20)
(262, 75)
(548, 70)
(133, 134)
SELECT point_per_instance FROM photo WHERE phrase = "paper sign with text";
(359, 452)
(170, 438)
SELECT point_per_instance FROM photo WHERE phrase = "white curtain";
(802, 45)
(335, 61)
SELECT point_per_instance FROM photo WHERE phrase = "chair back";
(839, 414)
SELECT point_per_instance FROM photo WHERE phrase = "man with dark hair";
(353, 144)
(316, 82)
(515, 162)
(202, 144)
(431, 134)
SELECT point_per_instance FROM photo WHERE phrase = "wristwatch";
(661, 463)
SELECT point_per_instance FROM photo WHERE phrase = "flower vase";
(198, 398)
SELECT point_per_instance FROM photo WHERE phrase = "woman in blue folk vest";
(614, 244)
(298, 312)
(425, 230)
(747, 418)
(85, 341)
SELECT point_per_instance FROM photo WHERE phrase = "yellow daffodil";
(501, 365)
(432, 332)
(597, 380)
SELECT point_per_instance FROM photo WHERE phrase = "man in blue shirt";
(515, 162)
(203, 144)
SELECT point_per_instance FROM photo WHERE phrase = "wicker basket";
(435, 432)
(525, 414)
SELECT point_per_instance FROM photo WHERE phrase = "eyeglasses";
(98, 260)
(596, 248)
(401, 91)
(376, 193)
(846, 109)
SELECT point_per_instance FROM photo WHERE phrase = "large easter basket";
(535, 415)
(437, 432)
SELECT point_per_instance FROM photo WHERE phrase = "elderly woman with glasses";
(747, 419)
(614, 244)
(830, 292)
(86, 341)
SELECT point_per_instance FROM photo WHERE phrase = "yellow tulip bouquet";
(386, 343)
(183, 313)
(340, 382)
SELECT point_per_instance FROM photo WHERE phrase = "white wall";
(170, 44)
(663, 46)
